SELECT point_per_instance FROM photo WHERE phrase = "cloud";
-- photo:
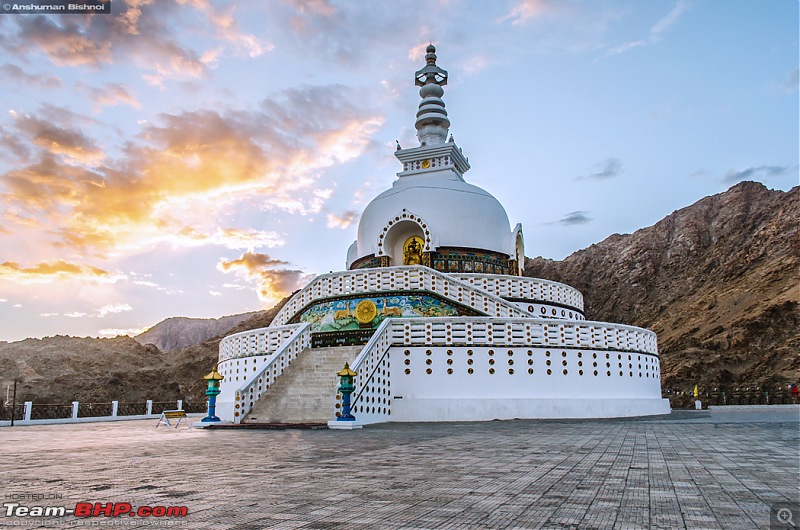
(173, 179)
(227, 29)
(55, 270)
(116, 332)
(656, 32)
(101, 312)
(112, 308)
(144, 31)
(322, 30)
(273, 280)
(758, 173)
(12, 72)
(111, 94)
(575, 218)
(668, 20)
(71, 44)
(625, 46)
(342, 219)
(475, 63)
(214, 293)
(525, 10)
(72, 143)
(609, 168)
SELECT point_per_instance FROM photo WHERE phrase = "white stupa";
(430, 200)
(436, 318)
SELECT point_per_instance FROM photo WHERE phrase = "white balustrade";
(276, 348)
(372, 396)
(406, 278)
(521, 287)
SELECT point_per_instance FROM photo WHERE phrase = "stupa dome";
(430, 215)
(455, 213)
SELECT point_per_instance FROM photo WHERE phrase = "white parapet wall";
(473, 368)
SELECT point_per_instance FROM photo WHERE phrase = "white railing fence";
(526, 288)
(259, 381)
(406, 278)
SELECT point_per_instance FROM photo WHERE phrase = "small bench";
(173, 415)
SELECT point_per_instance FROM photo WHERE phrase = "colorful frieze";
(367, 313)
(470, 260)
(367, 262)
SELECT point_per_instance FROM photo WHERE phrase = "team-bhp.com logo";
(97, 509)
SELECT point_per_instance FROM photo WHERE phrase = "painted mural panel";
(369, 312)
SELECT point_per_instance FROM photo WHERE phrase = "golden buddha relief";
(412, 250)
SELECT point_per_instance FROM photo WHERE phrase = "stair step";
(305, 391)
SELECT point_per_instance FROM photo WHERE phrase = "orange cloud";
(67, 45)
(55, 270)
(273, 281)
(57, 140)
(342, 219)
(179, 175)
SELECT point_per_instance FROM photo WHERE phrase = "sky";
(200, 158)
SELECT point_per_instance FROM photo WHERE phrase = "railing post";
(149, 407)
(180, 404)
(114, 408)
(27, 414)
(75, 406)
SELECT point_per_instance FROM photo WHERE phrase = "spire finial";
(432, 123)
(430, 55)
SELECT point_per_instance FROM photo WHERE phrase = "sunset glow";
(201, 158)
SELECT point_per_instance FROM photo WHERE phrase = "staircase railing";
(405, 278)
(371, 360)
(285, 343)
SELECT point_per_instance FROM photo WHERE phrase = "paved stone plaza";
(692, 469)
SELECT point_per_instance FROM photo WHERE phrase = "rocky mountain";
(718, 281)
(182, 332)
(63, 369)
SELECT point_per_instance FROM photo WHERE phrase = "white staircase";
(305, 391)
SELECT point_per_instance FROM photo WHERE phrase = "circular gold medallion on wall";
(366, 311)
(426, 164)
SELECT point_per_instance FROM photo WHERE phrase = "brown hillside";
(63, 369)
(718, 282)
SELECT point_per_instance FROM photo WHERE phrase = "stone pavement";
(691, 469)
